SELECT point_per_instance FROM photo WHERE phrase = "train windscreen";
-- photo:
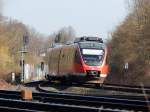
(91, 45)
(92, 53)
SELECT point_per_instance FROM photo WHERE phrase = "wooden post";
(26, 94)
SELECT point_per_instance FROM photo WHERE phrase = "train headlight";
(103, 75)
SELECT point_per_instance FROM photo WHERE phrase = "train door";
(54, 61)
(66, 64)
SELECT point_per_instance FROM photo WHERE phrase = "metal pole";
(13, 77)
(23, 50)
(22, 65)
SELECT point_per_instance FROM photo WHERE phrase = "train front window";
(92, 57)
(91, 45)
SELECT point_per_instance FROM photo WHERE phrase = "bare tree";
(1, 6)
(131, 43)
(65, 34)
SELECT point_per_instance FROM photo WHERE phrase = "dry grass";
(5, 85)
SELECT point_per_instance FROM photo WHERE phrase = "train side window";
(77, 57)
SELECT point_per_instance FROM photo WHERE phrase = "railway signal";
(25, 40)
(22, 63)
(23, 51)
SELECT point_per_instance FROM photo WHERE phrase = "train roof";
(83, 39)
(87, 39)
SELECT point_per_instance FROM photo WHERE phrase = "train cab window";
(93, 57)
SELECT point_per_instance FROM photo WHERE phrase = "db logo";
(92, 68)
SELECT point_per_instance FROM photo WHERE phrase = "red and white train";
(84, 61)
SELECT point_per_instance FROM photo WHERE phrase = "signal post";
(23, 51)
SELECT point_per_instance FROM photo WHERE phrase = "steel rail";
(114, 87)
(109, 87)
(80, 100)
(17, 95)
(131, 86)
(10, 109)
(124, 88)
(96, 101)
(8, 104)
(106, 102)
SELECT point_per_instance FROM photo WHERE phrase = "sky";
(87, 17)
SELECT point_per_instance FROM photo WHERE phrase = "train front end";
(94, 59)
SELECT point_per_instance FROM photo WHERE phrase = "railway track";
(113, 87)
(57, 102)
(12, 102)
(41, 87)
(30, 106)
(126, 88)
(133, 94)
(115, 101)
